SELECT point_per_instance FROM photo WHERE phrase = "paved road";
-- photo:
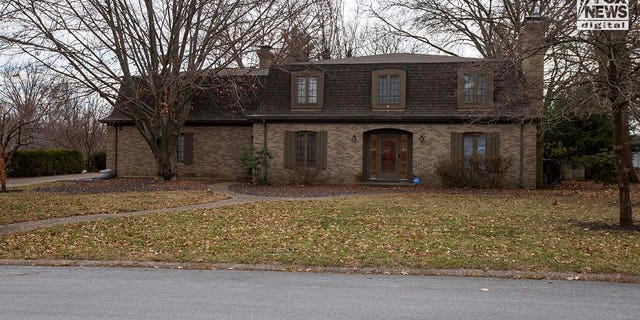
(21, 182)
(121, 293)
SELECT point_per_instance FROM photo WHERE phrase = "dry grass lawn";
(515, 231)
(30, 205)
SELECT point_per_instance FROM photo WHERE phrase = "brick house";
(384, 118)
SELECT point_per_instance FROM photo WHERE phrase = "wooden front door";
(387, 156)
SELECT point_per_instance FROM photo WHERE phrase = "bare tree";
(73, 121)
(616, 85)
(23, 105)
(605, 63)
(145, 57)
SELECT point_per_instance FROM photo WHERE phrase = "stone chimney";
(532, 49)
(265, 56)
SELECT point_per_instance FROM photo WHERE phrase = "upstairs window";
(388, 89)
(475, 88)
(307, 90)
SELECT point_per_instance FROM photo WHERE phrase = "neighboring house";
(384, 118)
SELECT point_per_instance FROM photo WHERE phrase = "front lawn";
(535, 231)
(31, 205)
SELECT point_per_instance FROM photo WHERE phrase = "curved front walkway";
(219, 188)
(21, 182)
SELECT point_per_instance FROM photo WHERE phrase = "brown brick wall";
(216, 152)
(344, 159)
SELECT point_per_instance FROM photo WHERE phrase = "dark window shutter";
(493, 145)
(289, 149)
(321, 150)
(188, 148)
(457, 153)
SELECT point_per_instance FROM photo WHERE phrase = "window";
(305, 149)
(388, 89)
(475, 88)
(184, 148)
(473, 149)
(307, 89)
(181, 148)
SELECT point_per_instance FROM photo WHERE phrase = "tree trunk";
(3, 172)
(617, 82)
(166, 156)
(620, 146)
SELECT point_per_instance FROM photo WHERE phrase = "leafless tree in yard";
(145, 57)
(24, 102)
(73, 121)
(604, 63)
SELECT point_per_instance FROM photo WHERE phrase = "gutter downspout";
(522, 154)
(264, 146)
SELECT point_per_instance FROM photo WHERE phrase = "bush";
(254, 163)
(475, 172)
(600, 167)
(34, 163)
(97, 161)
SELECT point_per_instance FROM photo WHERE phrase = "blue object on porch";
(416, 181)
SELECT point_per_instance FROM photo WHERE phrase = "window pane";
(300, 145)
(311, 150)
(468, 88)
(301, 90)
(468, 145)
(481, 143)
(382, 89)
(482, 88)
(312, 93)
(181, 148)
(394, 91)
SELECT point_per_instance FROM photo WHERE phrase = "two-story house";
(379, 119)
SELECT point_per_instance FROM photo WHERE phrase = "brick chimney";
(265, 56)
(532, 49)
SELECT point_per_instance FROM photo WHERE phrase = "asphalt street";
(130, 293)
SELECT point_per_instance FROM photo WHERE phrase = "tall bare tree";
(23, 105)
(73, 121)
(604, 63)
(145, 57)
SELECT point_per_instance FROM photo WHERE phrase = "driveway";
(21, 182)
(125, 293)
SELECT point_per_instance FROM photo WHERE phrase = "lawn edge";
(475, 273)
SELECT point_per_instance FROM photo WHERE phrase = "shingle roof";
(397, 58)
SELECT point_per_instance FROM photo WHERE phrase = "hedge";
(97, 161)
(34, 163)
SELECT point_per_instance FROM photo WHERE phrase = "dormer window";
(388, 89)
(475, 88)
(307, 88)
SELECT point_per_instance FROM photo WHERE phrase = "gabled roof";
(397, 58)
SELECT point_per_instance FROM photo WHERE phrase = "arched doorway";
(387, 155)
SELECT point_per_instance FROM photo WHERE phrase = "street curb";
(476, 273)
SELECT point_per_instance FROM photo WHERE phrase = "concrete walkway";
(21, 182)
(219, 188)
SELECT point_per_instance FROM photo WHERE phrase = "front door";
(387, 155)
